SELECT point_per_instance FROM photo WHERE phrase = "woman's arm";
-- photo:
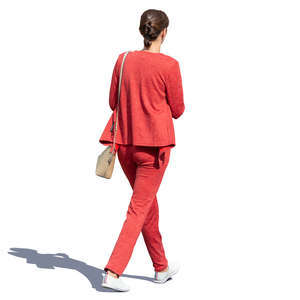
(174, 90)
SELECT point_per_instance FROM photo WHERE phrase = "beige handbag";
(106, 160)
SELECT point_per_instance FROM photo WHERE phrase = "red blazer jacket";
(151, 95)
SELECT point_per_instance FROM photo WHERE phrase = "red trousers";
(144, 167)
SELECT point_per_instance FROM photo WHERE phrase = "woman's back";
(151, 94)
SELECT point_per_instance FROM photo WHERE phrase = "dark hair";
(152, 23)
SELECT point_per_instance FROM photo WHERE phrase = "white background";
(229, 201)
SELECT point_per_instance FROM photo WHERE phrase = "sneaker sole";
(112, 288)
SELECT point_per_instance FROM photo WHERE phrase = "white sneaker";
(162, 277)
(114, 283)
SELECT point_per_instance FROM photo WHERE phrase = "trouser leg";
(153, 239)
(146, 184)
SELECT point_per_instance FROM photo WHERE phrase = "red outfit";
(140, 166)
(151, 95)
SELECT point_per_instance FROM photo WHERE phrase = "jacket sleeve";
(174, 90)
(113, 93)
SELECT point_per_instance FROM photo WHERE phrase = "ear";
(164, 32)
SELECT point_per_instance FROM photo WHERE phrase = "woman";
(151, 95)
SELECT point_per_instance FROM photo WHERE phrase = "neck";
(155, 47)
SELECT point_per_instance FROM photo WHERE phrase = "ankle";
(165, 270)
(112, 274)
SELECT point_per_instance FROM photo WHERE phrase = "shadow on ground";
(62, 260)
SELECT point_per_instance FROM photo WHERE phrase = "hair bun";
(148, 29)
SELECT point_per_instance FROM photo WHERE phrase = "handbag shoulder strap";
(119, 91)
